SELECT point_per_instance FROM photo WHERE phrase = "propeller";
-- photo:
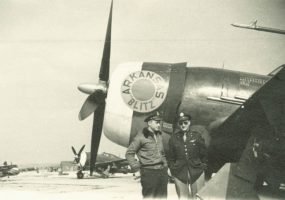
(77, 155)
(95, 102)
(80, 151)
(73, 150)
(91, 103)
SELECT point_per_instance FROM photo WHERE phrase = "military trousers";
(187, 190)
(154, 183)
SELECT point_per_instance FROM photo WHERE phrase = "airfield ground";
(49, 185)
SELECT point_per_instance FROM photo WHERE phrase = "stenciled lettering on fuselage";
(251, 81)
(144, 91)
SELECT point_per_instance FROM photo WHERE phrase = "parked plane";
(254, 26)
(105, 165)
(240, 115)
(8, 170)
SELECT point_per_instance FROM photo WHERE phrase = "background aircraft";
(240, 115)
(254, 26)
(105, 165)
(9, 170)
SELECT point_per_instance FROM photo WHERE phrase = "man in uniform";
(148, 147)
(187, 157)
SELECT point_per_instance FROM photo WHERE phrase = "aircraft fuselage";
(209, 95)
(9, 170)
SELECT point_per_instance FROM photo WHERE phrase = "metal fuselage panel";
(212, 94)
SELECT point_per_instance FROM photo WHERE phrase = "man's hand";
(204, 166)
(135, 167)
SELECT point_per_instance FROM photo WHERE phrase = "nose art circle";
(143, 89)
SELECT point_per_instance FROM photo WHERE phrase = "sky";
(49, 47)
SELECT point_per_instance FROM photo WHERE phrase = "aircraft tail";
(253, 24)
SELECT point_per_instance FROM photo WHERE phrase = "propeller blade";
(105, 63)
(99, 98)
(80, 151)
(91, 103)
(73, 150)
(96, 134)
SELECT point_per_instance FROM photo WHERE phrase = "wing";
(121, 162)
(252, 139)
(263, 112)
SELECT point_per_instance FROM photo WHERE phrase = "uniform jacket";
(190, 155)
(149, 151)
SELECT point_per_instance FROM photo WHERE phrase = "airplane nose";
(118, 116)
(14, 171)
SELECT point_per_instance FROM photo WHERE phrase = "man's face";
(184, 125)
(154, 125)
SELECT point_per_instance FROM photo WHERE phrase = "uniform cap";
(155, 117)
(183, 117)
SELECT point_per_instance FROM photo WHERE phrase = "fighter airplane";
(240, 115)
(105, 165)
(253, 26)
(8, 170)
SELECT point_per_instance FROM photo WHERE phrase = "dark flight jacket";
(187, 156)
(150, 152)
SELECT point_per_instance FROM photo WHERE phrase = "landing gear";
(80, 174)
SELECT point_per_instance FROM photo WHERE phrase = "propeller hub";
(89, 88)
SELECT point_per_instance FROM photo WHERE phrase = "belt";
(151, 164)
